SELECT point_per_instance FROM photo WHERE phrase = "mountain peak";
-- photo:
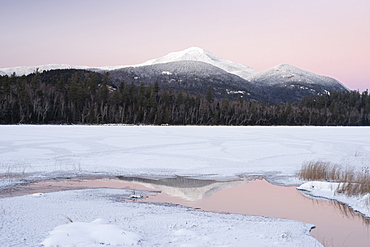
(194, 49)
(285, 74)
(192, 54)
(284, 66)
(201, 55)
(287, 68)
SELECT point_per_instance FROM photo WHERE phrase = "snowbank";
(328, 190)
(96, 233)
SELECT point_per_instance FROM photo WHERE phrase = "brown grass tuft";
(353, 182)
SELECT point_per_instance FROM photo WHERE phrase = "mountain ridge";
(191, 54)
(192, 76)
(195, 69)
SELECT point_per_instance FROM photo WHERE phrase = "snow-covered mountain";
(200, 55)
(287, 74)
(191, 54)
(187, 75)
(195, 70)
(26, 70)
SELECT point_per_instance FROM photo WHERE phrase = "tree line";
(85, 97)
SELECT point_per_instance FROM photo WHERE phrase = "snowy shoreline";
(328, 191)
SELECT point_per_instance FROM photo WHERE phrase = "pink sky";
(330, 37)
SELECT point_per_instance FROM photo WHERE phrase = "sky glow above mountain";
(326, 37)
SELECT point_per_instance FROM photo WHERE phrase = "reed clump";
(352, 181)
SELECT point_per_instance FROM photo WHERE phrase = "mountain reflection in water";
(336, 224)
(186, 188)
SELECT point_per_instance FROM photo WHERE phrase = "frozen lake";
(49, 151)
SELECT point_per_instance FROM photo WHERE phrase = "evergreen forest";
(85, 97)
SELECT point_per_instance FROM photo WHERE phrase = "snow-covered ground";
(38, 152)
(29, 220)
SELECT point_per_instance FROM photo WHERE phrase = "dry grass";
(353, 182)
(320, 171)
